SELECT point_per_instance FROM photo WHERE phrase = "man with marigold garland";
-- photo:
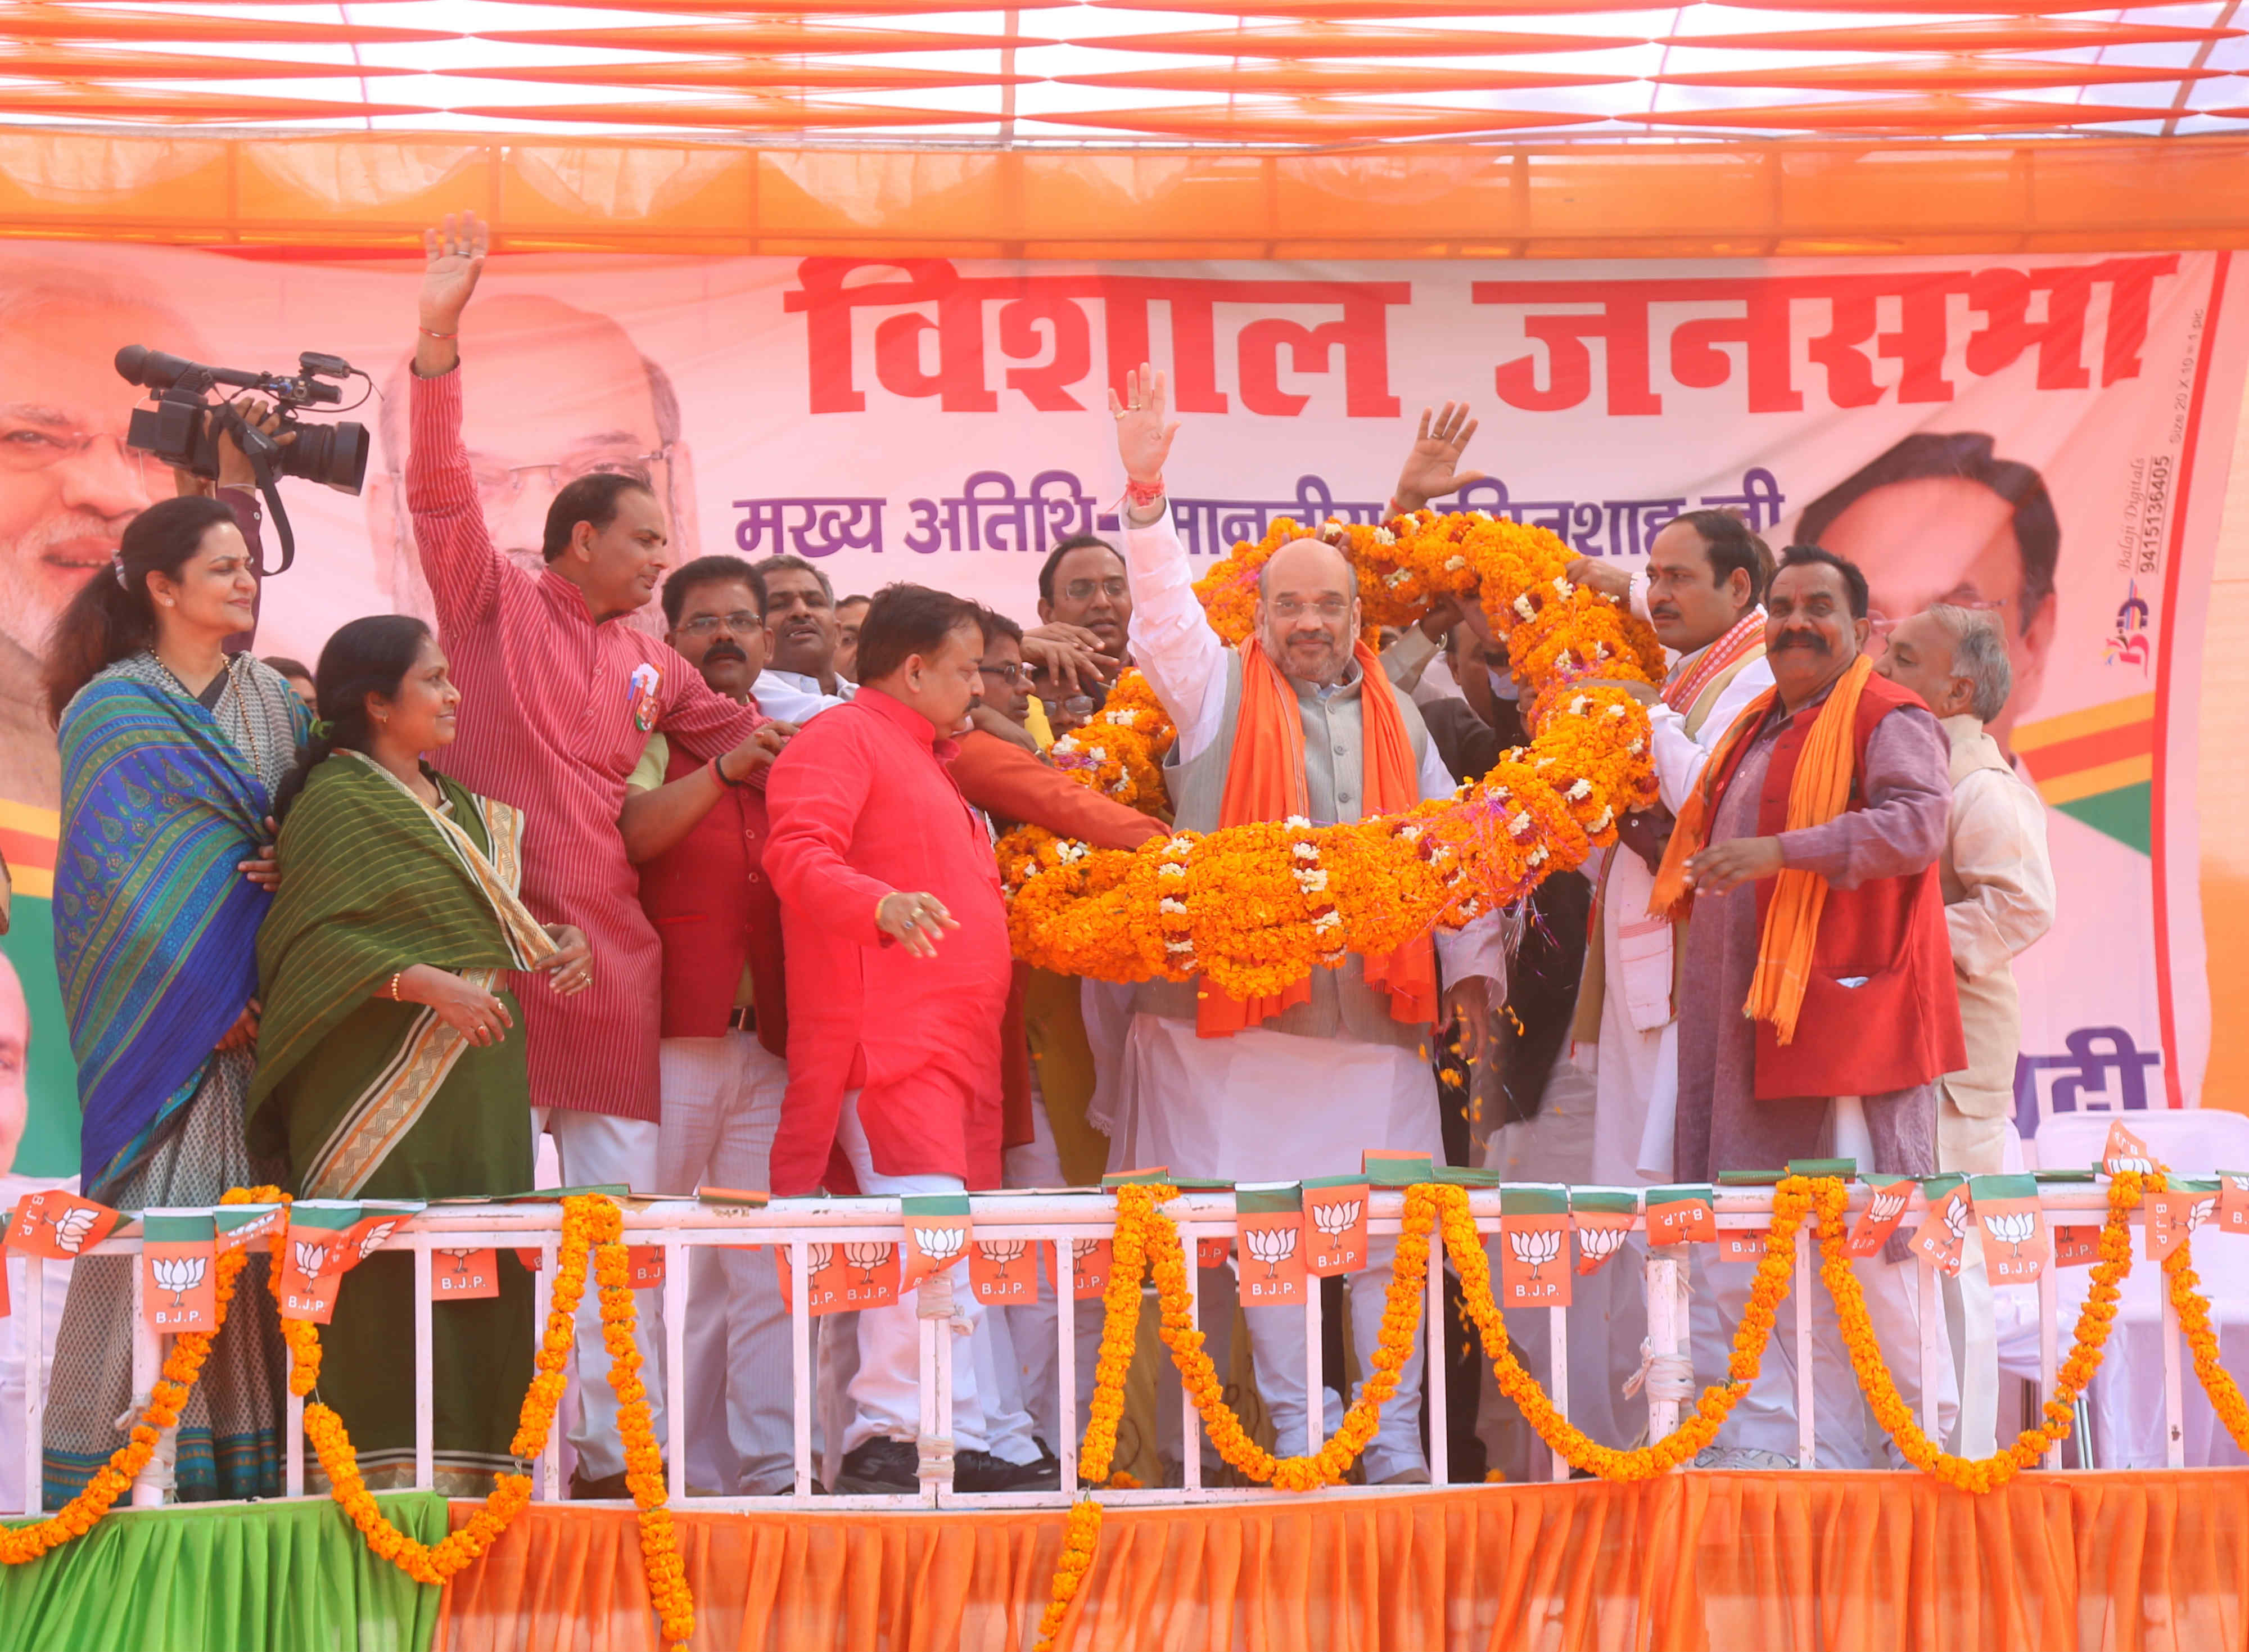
(1297, 723)
(1816, 1011)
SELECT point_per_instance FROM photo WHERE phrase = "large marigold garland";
(1235, 905)
(1791, 1203)
(1895, 1416)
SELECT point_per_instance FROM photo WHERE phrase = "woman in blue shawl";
(171, 748)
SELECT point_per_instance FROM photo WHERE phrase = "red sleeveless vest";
(1902, 1026)
(715, 911)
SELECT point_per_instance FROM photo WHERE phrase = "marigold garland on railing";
(1895, 1416)
(1791, 1202)
(1257, 907)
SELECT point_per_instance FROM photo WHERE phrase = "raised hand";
(453, 257)
(1144, 437)
(1432, 469)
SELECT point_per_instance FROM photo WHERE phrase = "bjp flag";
(1534, 1247)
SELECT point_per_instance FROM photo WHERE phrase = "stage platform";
(2143, 1561)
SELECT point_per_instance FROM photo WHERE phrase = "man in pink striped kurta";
(559, 700)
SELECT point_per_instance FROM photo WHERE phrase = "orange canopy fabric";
(2147, 1561)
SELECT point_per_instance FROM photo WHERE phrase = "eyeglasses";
(504, 484)
(1328, 608)
(1008, 674)
(1082, 590)
(740, 620)
(26, 447)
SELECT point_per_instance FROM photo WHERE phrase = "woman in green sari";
(391, 1064)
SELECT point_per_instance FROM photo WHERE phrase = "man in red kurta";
(560, 697)
(1818, 1007)
(898, 969)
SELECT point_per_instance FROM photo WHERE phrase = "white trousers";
(1971, 1323)
(1845, 1434)
(721, 1106)
(595, 1149)
(886, 1391)
(1276, 1336)
(1025, 1335)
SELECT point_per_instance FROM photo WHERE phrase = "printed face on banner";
(1943, 1231)
(460, 1273)
(59, 1225)
(1884, 1212)
(1003, 1271)
(1335, 1229)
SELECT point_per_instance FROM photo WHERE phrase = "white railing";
(677, 1226)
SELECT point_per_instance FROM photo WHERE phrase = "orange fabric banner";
(2150, 1561)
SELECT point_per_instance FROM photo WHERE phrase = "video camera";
(183, 428)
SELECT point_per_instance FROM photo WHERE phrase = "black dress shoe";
(981, 1471)
(880, 1465)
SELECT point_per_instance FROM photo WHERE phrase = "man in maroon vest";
(696, 831)
(1817, 1010)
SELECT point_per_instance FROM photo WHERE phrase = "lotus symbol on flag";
(867, 1255)
(460, 1260)
(1080, 1250)
(940, 1244)
(2131, 1162)
(2011, 1228)
(816, 1258)
(1001, 1252)
(72, 1227)
(1887, 1203)
(1599, 1243)
(1336, 1219)
(178, 1275)
(1271, 1246)
(1535, 1247)
(1955, 1221)
(310, 1258)
(2201, 1211)
(376, 1237)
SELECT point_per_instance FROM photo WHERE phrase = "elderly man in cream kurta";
(1300, 1092)
(1999, 899)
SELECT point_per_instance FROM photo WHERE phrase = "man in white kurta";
(1264, 1104)
(1705, 576)
(1998, 897)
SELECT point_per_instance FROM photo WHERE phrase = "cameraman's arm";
(457, 556)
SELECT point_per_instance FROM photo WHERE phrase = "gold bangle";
(395, 978)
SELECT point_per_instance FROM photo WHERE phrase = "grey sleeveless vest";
(1335, 766)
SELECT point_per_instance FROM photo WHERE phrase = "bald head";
(1307, 610)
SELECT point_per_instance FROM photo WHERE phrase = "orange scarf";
(1818, 791)
(1265, 782)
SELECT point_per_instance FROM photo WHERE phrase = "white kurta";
(1261, 1105)
(1635, 1065)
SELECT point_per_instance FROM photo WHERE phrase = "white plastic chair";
(2127, 1394)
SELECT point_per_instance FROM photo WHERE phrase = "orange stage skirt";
(1754, 1562)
